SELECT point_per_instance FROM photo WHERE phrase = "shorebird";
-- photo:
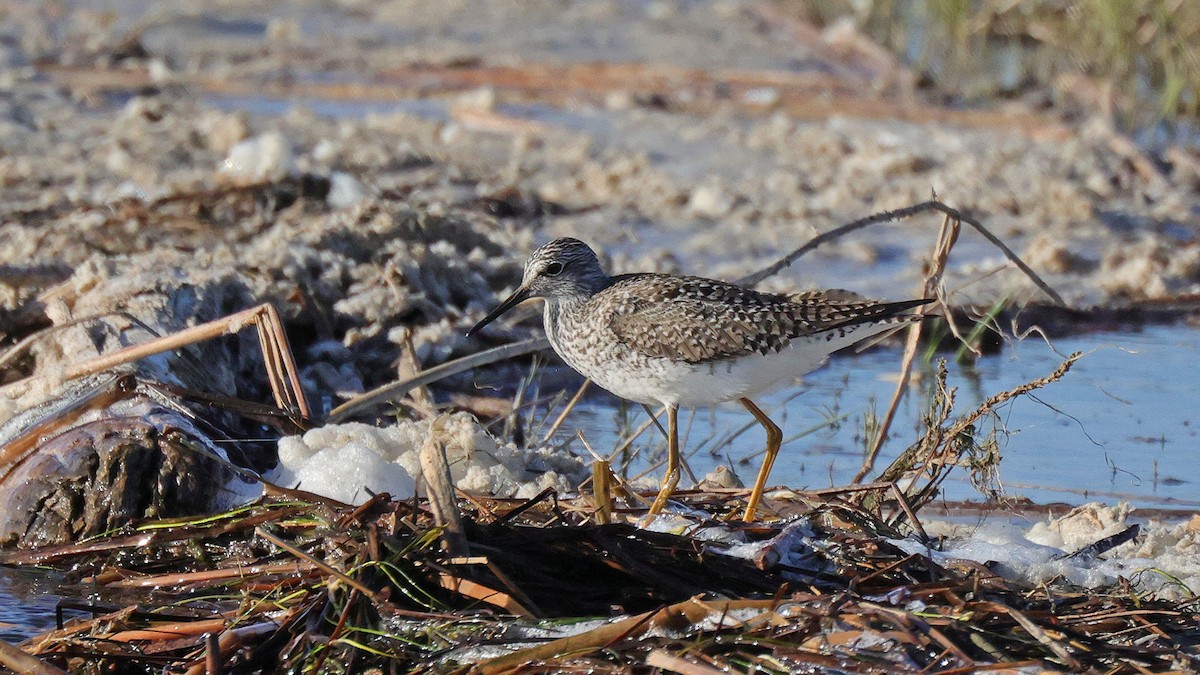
(689, 341)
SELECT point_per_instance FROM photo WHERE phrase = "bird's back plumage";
(698, 320)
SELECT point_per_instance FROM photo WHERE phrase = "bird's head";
(563, 269)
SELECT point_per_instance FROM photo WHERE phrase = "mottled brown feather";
(697, 320)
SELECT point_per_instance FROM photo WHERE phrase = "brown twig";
(321, 565)
(282, 374)
(18, 661)
(938, 451)
(690, 610)
(435, 469)
(562, 417)
(930, 288)
(892, 216)
(602, 491)
(393, 390)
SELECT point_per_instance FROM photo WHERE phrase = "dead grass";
(1143, 56)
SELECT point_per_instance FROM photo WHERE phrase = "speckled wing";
(696, 320)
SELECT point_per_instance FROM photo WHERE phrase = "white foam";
(348, 461)
(345, 191)
(265, 157)
(1162, 560)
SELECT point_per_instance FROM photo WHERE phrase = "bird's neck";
(571, 305)
(560, 308)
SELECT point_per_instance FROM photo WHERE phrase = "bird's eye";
(553, 269)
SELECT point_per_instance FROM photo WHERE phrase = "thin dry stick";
(912, 515)
(687, 612)
(636, 433)
(626, 490)
(397, 389)
(324, 567)
(282, 374)
(19, 662)
(996, 399)
(562, 417)
(408, 367)
(602, 491)
(677, 664)
(922, 452)
(435, 469)
(933, 280)
(21, 347)
(898, 214)
(291, 569)
(212, 654)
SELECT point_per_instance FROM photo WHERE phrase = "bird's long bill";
(511, 301)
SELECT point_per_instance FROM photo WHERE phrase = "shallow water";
(1122, 424)
(27, 603)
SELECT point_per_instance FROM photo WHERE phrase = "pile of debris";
(297, 585)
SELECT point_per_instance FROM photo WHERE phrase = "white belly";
(635, 376)
(689, 385)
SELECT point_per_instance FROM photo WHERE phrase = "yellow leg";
(672, 477)
(774, 439)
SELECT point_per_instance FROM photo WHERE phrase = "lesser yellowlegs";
(689, 341)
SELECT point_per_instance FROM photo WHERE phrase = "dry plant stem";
(677, 664)
(602, 491)
(671, 480)
(630, 628)
(636, 434)
(774, 440)
(16, 660)
(911, 342)
(477, 591)
(328, 569)
(337, 629)
(524, 600)
(933, 281)
(435, 469)
(940, 449)
(170, 631)
(410, 367)
(212, 654)
(908, 511)
(282, 373)
(292, 569)
(228, 642)
(388, 392)
(615, 484)
(21, 347)
(898, 214)
(47, 554)
(997, 399)
(562, 417)
(1039, 634)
